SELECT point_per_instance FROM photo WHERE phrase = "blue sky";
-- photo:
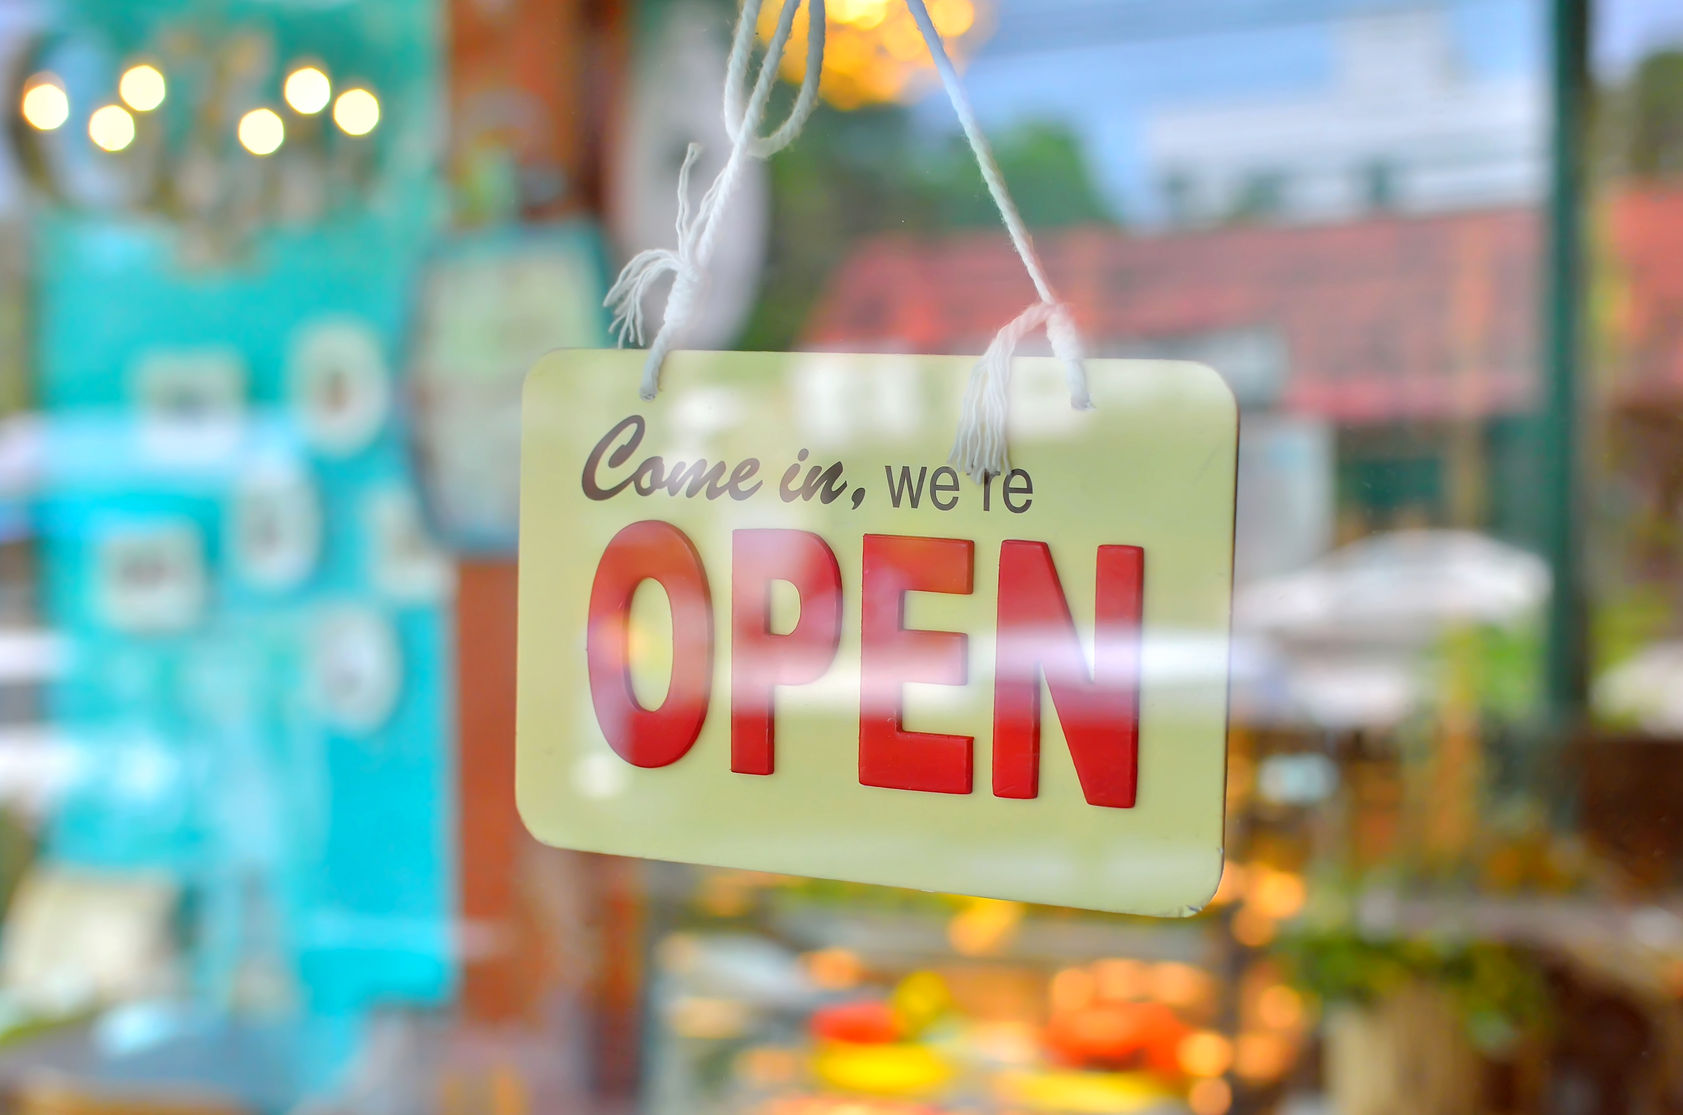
(1101, 66)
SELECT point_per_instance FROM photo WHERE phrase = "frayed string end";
(980, 450)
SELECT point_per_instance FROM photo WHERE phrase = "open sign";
(757, 636)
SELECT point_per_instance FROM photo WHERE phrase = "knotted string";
(980, 448)
(698, 229)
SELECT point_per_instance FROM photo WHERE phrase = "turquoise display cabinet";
(258, 688)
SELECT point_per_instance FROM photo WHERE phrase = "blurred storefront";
(272, 273)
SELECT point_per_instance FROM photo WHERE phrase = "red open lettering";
(890, 656)
(650, 551)
(1099, 711)
(760, 660)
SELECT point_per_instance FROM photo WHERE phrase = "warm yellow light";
(1232, 884)
(1279, 894)
(1209, 1097)
(1205, 1053)
(142, 87)
(864, 14)
(262, 131)
(45, 105)
(111, 128)
(1179, 985)
(835, 969)
(1252, 928)
(307, 90)
(357, 112)
(875, 52)
(1120, 979)
(984, 926)
(1072, 989)
(1261, 1057)
(952, 17)
(1279, 1007)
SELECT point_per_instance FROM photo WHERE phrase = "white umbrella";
(1646, 690)
(1404, 588)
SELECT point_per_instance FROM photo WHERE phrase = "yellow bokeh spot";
(307, 90)
(1253, 928)
(1279, 1007)
(111, 128)
(835, 969)
(1278, 894)
(1204, 1053)
(1261, 1057)
(984, 926)
(903, 43)
(1179, 985)
(262, 131)
(357, 112)
(45, 105)
(1121, 979)
(1072, 989)
(952, 17)
(142, 87)
(1210, 1097)
(875, 51)
(1232, 886)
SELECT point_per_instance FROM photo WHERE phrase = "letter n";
(1098, 708)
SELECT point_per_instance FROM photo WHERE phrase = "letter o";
(650, 551)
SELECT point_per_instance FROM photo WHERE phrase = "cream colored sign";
(764, 625)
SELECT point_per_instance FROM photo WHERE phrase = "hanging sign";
(764, 625)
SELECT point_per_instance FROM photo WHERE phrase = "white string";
(980, 448)
(699, 229)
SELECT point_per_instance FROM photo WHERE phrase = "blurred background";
(271, 272)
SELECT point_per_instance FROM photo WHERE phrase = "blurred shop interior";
(272, 271)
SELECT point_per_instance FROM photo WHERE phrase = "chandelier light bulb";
(142, 87)
(357, 112)
(111, 128)
(262, 131)
(307, 90)
(45, 105)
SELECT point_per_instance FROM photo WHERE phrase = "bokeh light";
(111, 128)
(1205, 1053)
(1209, 1097)
(1179, 985)
(142, 87)
(874, 51)
(45, 105)
(357, 111)
(1279, 894)
(262, 131)
(834, 969)
(1279, 1007)
(307, 90)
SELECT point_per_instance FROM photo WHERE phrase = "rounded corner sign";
(764, 625)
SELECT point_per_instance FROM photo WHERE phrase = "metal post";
(1559, 451)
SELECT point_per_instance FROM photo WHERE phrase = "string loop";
(698, 230)
(980, 448)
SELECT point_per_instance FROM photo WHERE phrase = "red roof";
(1644, 331)
(1380, 319)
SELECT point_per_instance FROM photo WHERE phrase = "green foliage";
(1643, 120)
(855, 175)
(1042, 163)
(1499, 992)
(1501, 665)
